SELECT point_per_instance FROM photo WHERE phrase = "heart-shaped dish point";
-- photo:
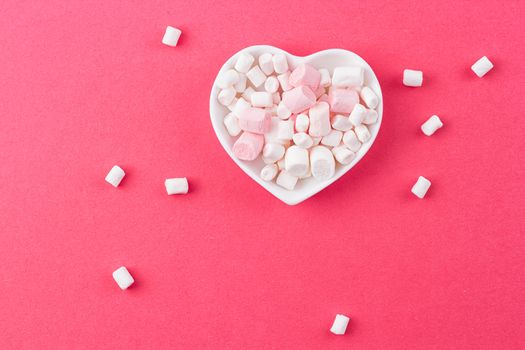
(329, 59)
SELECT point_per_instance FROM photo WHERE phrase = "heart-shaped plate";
(328, 59)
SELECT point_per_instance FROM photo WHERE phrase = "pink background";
(87, 84)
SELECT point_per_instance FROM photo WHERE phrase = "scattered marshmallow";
(261, 99)
(322, 163)
(302, 122)
(286, 180)
(269, 172)
(358, 114)
(171, 36)
(340, 324)
(431, 125)
(115, 176)
(231, 124)
(369, 97)
(348, 77)
(371, 117)
(176, 185)
(228, 78)
(226, 96)
(333, 138)
(341, 123)
(362, 133)
(482, 66)
(271, 84)
(343, 155)
(266, 63)
(421, 187)
(123, 278)
(244, 62)
(303, 140)
(280, 64)
(256, 76)
(413, 78)
(351, 141)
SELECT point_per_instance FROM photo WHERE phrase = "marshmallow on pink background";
(306, 75)
(248, 146)
(299, 99)
(343, 100)
(256, 120)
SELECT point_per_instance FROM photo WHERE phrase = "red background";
(86, 85)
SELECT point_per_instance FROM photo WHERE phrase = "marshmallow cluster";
(301, 121)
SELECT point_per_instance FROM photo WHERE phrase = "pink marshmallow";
(342, 100)
(298, 99)
(256, 120)
(305, 75)
(248, 146)
(323, 98)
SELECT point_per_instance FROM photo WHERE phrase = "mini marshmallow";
(303, 140)
(285, 130)
(299, 99)
(370, 117)
(322, 163)
(171, 36)
(244, 62)
(256, 120)
(482, 66)
(431, 125)
(248, 146)
(276, 97)
(351, 141)
(282, 111)
(241, 84)
(228, 78)
(413, 78)
(421, 187)
(302, 122)
(271, 136)
(296, 161)
(226, 96)
(269, 172)
(305, 74)
(283, 80)
(280, 64)
(369, 97)
(232, 105)
(281, 164)
(362, 133)
(348, 77)
(271, 84)
(240, 106)
(176, 185)
(115, 175)
(123, 277)
(343, 100)
(343, 155)
(333, 138)
(319, 120)
(326, 80)
(272, 152)
(358, 114)
(340, 324)
(256, 76)
(266, 64)
(286, 180)
(319, 92)
(247, 94)
(341, 123)
(261, 99)
(231, 124)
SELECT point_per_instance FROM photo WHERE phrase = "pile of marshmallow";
(301, 122)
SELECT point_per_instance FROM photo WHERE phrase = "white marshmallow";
(240, 106)
(326, 80)
(370, 97)
(362, 133)
(178, 185)
(482, 66)
(342, 123)
(421, 187)
(228, 78)
(272, 152)
(256, 76)
(271, 84)
(282, 111)
(241, 84)
(358, 114)
(333, 138)
(271, 136)
(261, 99)
(247, 94)
(244, 62)
(232, 125)
(303, 140)
(281, 165)
(226, 96)
(340, 324)
(296, 161)
(276, 97)
(286, 180)
(431, 125)
(412, 78)
(348, 76)
(280, 64)
(171, 36)
(115, 175)
(266, 63)
(302, 122)
(343, 155)
(269, 172)
(123, 277)
(231, 106)
(283, 80)
(322, 163)
(285, 130)
(319, 119)
(370, 117)
(351, 141)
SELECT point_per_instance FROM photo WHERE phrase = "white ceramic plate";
(329, 59)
